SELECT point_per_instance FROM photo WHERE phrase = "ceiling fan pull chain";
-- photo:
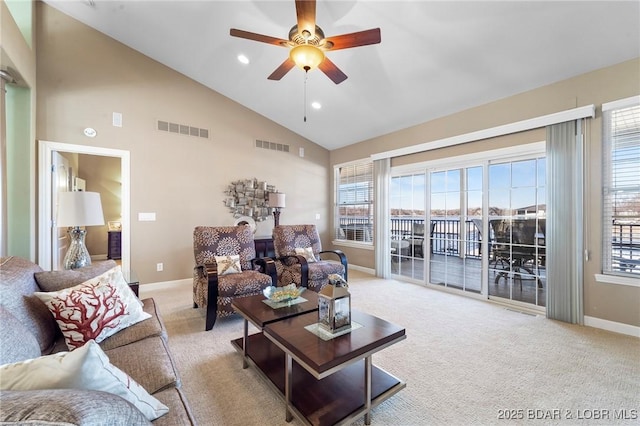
(306, 74)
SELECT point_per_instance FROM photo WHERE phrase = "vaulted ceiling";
(436, 57)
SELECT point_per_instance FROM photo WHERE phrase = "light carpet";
(465, 362)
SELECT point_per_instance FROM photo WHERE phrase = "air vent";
(183, 129)
(272, 146)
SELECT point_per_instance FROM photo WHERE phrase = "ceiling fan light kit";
(306, 56)
(308, 44)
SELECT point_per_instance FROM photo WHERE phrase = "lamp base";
(276, 216)
(77, 256)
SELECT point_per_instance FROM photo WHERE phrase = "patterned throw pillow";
(307, 252)
(95, 309)
(86, 368)
(228, 264)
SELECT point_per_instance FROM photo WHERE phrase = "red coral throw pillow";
(95, 309)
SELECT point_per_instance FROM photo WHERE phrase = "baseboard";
(362, 269)
(163, 285)
(616, 327)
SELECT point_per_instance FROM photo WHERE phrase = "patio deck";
(454, 272)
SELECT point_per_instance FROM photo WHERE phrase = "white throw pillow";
(307, 252)
(86, 368)
(95, 309)
(228, 264)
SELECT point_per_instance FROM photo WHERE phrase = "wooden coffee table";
(254, 310)
(323, 382)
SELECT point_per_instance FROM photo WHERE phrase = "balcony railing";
(625, 248)
(446, 238)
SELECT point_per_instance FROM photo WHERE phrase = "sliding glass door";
(478, 227)
(407, 201)
(517, 222)
(456, 226)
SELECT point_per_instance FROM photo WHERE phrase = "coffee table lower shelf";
(334, 400)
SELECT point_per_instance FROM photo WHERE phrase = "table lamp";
(276, 201)
(76, 209)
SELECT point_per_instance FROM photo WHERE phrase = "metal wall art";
(249, 197)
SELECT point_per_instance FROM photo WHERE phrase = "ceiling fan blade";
(284, 68)
(259, 37)
(332, 71)
(361, 38)
(306, 14)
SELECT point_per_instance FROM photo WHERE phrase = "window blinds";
(621, 191)
(354, 202)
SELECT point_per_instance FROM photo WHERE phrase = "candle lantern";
(334, 305)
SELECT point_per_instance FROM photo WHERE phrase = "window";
(621, 192)
(354, 202)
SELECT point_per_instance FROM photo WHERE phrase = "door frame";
(45, 219)
(484, 158)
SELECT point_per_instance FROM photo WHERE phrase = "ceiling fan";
(308, 44)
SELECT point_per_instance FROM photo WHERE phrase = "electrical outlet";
(159, 267)
(317, 216)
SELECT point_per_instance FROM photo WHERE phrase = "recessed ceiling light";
(243, 59)
(90, 132)
(316, 105)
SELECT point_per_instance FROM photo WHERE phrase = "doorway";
(45, 217)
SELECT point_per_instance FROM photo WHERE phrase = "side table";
(132, 279)
(114, 245)
(264, 247)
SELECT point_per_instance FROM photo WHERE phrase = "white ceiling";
(435, 58)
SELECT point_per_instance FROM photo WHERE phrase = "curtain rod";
(505, 129)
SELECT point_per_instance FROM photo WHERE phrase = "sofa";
(31, 339)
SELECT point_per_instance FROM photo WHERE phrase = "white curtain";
(382, 242)
(564, 232)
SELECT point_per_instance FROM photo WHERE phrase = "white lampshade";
(79, 208)
(276, 199)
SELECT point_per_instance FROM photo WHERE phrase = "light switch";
(117, 119)
(146, 217)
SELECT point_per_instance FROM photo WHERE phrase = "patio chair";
(514, 248)
(226, 269)
(301, 260)
(416, 240)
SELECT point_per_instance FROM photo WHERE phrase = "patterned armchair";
(299, 266)
(226, 268)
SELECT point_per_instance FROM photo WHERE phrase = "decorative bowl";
(283, 294)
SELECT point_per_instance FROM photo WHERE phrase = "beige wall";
(85, 76)
(604, 301)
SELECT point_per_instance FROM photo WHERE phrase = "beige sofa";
(28, 331)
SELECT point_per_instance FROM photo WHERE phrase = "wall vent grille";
(272, 146)
(182, 129)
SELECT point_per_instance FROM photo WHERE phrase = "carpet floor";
(465, 362)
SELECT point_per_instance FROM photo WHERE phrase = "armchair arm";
(209, 272)
(267, 266)
(342, 257)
